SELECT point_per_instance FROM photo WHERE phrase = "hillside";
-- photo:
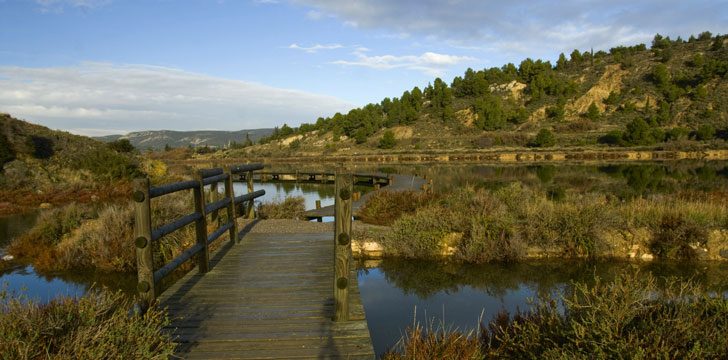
(672, 94)
(160, 139)
(40, 165)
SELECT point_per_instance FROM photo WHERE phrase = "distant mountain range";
(158, 139)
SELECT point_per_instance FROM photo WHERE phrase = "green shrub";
(675, 237)
(629, 315)
(490, 238)
(6, 150)
(290, 208)
(705, 132)
(125, 146)
(385, 207)
(96, 326)
(387, 141)
(544, 138)
(418, 235)
(572, 228)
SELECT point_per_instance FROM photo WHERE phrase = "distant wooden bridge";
(273, 295)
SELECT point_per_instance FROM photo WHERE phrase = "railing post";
(230, 194)
(342, 240)
(203, 258)
(251, 204)
(214, 196)
(143, 243)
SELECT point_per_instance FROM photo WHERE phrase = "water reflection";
(462, 293)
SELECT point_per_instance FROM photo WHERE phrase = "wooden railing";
(149, 279)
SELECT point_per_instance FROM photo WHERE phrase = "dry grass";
(96, 326)
(289, 208)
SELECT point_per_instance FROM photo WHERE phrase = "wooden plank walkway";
(269, 297)
(399, 183)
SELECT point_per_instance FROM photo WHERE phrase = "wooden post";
(432, 185)
(342, 239)
(203, 258)
(376, 187)
(318, 204)
(297, 177)
(424, 187)
(323, 178)
(391, 179)
(251, 203)
(230, 194)
(143, 243)
(214, 196)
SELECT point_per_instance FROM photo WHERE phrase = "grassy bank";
(96, 237)
(515, 222)
(628, 317)
(96, 326)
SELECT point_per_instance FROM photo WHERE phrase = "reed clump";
(289, 208)
(384, 207)
(96, 326)
(604, 320)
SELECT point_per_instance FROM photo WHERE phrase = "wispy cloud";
(537, 24)
(58, 6)
(431, 63)
(315, 48)
(102, 98)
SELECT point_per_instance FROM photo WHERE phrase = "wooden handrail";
(149, 279)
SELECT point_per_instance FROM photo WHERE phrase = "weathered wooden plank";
(267, 297)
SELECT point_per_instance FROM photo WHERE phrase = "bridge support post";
(250, 209)
(143, 243)
(230, 194)
(203, 258)
(342, 238)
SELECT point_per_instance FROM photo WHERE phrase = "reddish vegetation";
(17, 201)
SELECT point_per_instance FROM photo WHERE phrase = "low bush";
(290, 208)
(630, 316)
(675, 238)
(385, 207)
(96, 326)
(572, 228)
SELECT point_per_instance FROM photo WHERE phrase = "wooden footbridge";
(259, 296)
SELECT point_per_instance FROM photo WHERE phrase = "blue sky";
(97, 67)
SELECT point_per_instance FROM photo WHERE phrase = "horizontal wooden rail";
(248, 197)
(214, 179)
(167, 269)
(219, 232)
(206, 173)
(174, 225)
(144, 236)
(172, 188)
(216, 205)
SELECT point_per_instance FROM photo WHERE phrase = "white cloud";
(58, 6)
(430, 63)
(538, 25)
(102, 98)
(316, 47)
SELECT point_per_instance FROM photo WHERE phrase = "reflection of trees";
(425, 278)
